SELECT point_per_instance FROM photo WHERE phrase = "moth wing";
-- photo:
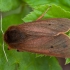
(58, 46)
(47, 27)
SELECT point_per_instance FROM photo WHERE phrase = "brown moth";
(43, 36)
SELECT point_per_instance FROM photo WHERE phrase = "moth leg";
(19, 50)
(9, 48)
(44, 13)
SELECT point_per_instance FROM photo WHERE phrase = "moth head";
(13, 35)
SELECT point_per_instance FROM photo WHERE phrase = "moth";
(43, 36)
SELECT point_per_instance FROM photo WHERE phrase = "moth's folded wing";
(58, 46)
(48, 27)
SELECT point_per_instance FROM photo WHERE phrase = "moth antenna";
(3, 40)
(44, 13)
